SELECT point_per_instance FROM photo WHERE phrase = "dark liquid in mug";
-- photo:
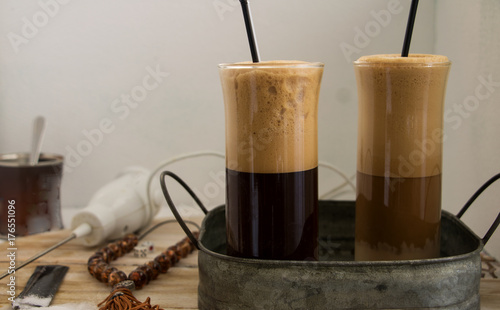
(272, 215)
(34, 192)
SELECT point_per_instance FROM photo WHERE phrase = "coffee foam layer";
(271, 116)
(396, 58)
(400, 115)
(274, 63)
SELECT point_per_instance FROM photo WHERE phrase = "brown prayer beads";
(98, 264)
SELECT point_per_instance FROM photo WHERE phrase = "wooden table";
(176, 289)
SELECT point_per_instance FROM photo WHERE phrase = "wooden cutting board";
(177, 289)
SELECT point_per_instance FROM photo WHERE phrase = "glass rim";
(269, 65)
(22, 160)
(393, 60)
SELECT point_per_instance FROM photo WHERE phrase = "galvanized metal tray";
(336, 281)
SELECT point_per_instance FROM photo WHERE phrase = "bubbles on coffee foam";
(403, 97)
(396, 58)
(273, 106)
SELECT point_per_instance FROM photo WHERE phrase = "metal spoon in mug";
(38, 135)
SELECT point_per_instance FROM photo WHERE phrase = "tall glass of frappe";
(271, 112)
(399, 156)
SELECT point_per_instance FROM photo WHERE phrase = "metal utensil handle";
(471, 200)
(38, 135)
(173, 207)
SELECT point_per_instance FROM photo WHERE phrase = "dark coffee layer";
(397, 218)
(272, 215)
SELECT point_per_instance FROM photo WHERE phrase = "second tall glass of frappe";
(399, 158)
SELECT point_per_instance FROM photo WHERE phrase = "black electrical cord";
(149, 230)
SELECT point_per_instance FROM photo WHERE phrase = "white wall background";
(468, 33)
(75, 62)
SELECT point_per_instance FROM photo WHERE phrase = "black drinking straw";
(250, 32)
(409, 28)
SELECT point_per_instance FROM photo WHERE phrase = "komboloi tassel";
(123, 299)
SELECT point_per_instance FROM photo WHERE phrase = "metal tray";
(336, 281)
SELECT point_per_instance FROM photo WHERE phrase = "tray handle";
(172, 206)
(495, 224)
